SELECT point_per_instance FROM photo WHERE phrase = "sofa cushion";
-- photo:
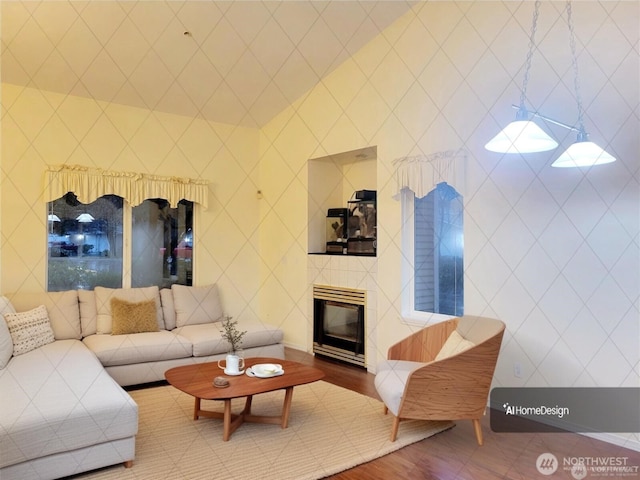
(6, 343)
(138, 347)
(454, 345)
(391, 378)
(168, 308)
(29, 330)
(207, 338)
(62, 307)
(58, 398)
(88, 312)
(196, 305)
(133, 317)
(103, 303)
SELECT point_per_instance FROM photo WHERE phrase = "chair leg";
(478, 429)
(394, 428)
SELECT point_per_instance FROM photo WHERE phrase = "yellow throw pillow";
(133, 317)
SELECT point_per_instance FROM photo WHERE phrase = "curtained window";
(118, 229)
(430, 189)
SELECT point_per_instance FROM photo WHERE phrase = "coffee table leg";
(286, 408)
(226, 432)
(196, 409)
(247, 405)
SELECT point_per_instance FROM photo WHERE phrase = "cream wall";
(552, 252)
(41, 128)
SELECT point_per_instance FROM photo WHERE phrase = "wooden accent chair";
(438, 374)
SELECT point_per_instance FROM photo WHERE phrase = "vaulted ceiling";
(237, 62)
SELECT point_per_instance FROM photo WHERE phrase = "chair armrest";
(423, 345)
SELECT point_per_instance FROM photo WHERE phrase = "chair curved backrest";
(454, 387)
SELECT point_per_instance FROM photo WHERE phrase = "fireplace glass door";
(339, 330)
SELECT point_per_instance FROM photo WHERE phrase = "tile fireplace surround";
(351, 272)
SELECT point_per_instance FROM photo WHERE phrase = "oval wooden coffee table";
(197, 380)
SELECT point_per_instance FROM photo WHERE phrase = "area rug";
(331, 429)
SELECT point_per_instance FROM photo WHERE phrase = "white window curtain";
(89, 184)
(421, 173)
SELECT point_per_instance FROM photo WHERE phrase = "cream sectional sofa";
(64, 410)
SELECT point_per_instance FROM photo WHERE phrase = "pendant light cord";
(582, 135)
(527, 70)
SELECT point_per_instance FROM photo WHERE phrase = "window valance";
(421, 173)
(88, 184)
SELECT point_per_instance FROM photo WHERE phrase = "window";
(433, 244)
(84, 243)
(87, 243)
(162, 243)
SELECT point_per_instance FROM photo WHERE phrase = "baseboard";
(300, 348)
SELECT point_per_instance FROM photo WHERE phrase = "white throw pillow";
(29, 330)
(196, 305)
(6, 343)
(454, 344)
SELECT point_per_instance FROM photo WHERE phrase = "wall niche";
(332, 181)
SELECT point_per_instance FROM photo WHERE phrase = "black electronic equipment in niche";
(353, 230)
(336, 230)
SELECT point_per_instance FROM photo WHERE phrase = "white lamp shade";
(52, 217)
(85, 218)
(583, 154)
(521, 136)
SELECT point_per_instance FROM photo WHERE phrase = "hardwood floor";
(454, 454)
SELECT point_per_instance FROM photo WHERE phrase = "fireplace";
(338, 323)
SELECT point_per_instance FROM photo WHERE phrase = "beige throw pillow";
(196, 305)
(29, 330)
(133, 317)
(454, 345)
(62, 308)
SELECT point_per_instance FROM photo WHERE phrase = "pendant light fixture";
(524, 136)
(85, 218)
(582, 153)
